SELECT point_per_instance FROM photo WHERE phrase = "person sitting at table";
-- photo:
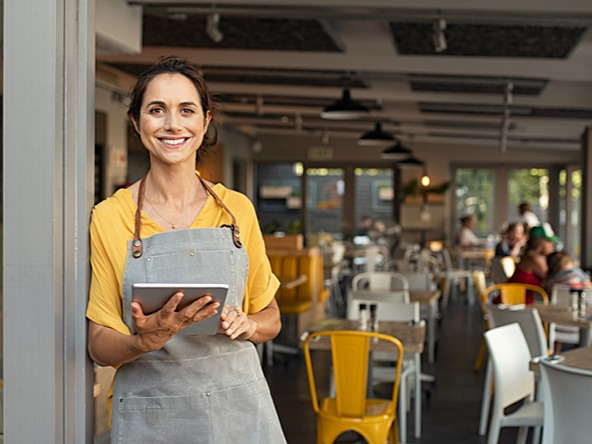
(466, 239)
(513, 241)
(532, 268)
(564, 271)
(527, 216)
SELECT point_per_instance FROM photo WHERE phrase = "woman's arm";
(258, 327)
(107, 346)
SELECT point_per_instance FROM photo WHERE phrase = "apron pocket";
(171, 420)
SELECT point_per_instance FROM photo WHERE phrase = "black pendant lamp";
(376, 137)
(410, 162)
(396, 152)
(345, 108)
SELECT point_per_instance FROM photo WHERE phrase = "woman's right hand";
(153, 331)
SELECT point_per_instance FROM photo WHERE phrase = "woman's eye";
(187, 111)
(156, 110)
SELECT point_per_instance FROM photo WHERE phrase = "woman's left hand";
(234, 323)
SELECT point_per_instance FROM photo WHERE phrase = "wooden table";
(580, 358)
(426, 298)
(429, 299)
(412, 337)
(562, 314)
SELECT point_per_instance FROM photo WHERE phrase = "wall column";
(586, 238)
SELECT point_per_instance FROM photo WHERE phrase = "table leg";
(417, 395)
(432, 333)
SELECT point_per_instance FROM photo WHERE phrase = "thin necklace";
(173, 225)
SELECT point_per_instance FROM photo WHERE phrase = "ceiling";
(281, 62)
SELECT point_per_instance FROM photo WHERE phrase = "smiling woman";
(187, 233)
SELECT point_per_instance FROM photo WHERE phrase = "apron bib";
(196, 389)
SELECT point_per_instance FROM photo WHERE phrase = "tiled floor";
(451, 407)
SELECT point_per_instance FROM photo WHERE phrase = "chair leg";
(494, 429)
(402, 409)
(536, 435)
(394, 433)
(480, 355)
(522, 434)
(446, 291)
(485, 402)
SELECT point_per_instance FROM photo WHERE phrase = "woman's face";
(172, 124)
(547, 248)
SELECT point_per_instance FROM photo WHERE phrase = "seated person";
(513, 241)
(564, 271)
(466, 238)
(532, 268)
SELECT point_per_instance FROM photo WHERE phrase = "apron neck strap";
(137, 247)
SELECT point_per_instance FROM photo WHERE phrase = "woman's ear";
(207, 120)
(136, 125)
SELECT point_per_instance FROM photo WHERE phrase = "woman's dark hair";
(175, 65)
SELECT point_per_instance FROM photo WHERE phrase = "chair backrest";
(419, 280)
(567, 394)
(510, 357)
(379, 280)
(530, 322)
(561, 294)
(480, 282)
(350, 353)
(376, 256)
(514, 293)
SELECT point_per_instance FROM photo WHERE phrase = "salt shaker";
(363, 317)
(574, 301)
(373, 318)
(581, 303)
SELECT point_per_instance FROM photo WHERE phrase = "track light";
(212, 27)
(375, 137)
(438, 37)
(345, 108)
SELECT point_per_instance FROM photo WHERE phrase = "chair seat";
(531, 412)
(376, 409)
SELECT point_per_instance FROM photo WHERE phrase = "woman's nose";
(172, 122)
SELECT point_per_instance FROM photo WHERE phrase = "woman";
(466, 238)
(532, 268)
(513, 241)
(173, 226)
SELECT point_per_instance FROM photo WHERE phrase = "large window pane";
(279, 197)
(528, 185)
(475, 195)
(576, 213)
(325, 190)
(374, 195)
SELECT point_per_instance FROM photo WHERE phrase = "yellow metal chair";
(480, 282)
(351, 409)
(515, 293)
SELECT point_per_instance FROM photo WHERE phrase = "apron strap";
(137, 246)
(233, 227)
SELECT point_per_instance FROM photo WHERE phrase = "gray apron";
(196, 389)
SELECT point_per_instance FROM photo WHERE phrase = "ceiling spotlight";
(410, 162)
(438, 37)
(345, 108)
(396, 152)
(212, 27)
(375, 137)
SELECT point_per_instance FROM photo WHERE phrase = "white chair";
(567, 417)
(392, 310)
(510, 357)
(558, 333)
(419, 280)
(532, 328)
(380, 281)
(451, 276)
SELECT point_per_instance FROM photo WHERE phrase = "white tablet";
(152, 296)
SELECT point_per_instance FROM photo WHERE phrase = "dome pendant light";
(345, 108)
(376, 137)
(396, 152)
